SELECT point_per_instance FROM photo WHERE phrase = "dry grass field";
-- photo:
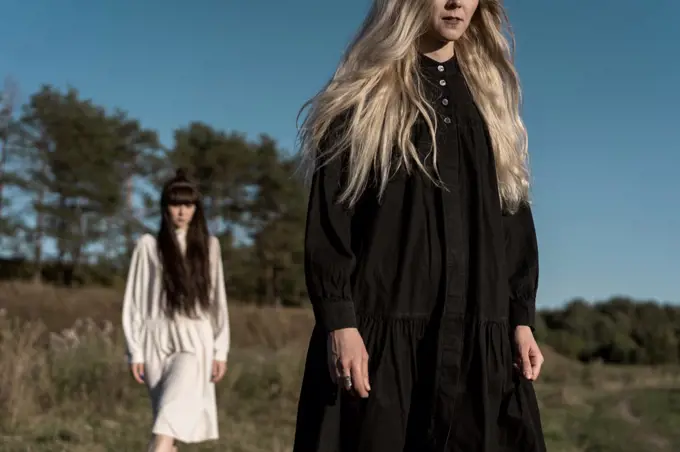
(64, 385)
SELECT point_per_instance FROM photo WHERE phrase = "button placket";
(443, 83)
(445, 102)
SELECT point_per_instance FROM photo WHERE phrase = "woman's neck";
(436, 49)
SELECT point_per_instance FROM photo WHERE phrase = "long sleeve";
(329, 260)
(134, 301)
(222, 334)
(522, 264)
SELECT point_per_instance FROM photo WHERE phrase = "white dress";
(177, 354)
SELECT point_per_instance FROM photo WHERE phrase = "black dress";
(435, 280)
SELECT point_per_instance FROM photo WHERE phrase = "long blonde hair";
(377, 87)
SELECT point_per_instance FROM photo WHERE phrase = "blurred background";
(102, 101)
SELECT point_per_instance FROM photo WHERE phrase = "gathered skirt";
(178, 371)
(489, 408)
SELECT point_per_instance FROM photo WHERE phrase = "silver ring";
(347, 382)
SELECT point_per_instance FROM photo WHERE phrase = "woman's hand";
(530, 358)
(348, 360)
(137, 370)
(219, 368)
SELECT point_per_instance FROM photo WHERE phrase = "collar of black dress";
(429, 64)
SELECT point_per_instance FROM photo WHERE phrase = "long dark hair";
(186, 279)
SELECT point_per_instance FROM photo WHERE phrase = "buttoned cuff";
(522, 315)
(135, 357)
(336, 314)
(220, 355)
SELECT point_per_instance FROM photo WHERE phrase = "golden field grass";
(65, 386)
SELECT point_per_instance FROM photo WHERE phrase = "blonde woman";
(176, 320)
(421, 253)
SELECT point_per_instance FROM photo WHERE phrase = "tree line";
(79, 184)
(619, 330)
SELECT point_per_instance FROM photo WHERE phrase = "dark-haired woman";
(176, 321)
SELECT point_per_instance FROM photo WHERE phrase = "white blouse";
(147, 328)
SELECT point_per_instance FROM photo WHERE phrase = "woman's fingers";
(358, 378)
(536, 358)
(364, 368)
(351, 376)
(344, 373)
(526, 364)
(138, 372)
(219, 370)
(223, 370)
(348, 361)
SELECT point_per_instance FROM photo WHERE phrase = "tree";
(619, 330)
(84, 170)
(75, 161)
(135, 149)
(8, 99)
(278, 221)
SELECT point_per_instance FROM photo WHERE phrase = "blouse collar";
(181, 238)
(433, 66)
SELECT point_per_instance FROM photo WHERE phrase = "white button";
(442, 82)
(447, 120)
(441, 68)
(445, 102)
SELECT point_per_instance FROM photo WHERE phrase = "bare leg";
(162, 443)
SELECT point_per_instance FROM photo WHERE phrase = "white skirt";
(178, 369)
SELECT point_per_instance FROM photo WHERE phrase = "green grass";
(610, 422)
(73, 392)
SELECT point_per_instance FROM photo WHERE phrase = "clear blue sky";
(601, 92)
